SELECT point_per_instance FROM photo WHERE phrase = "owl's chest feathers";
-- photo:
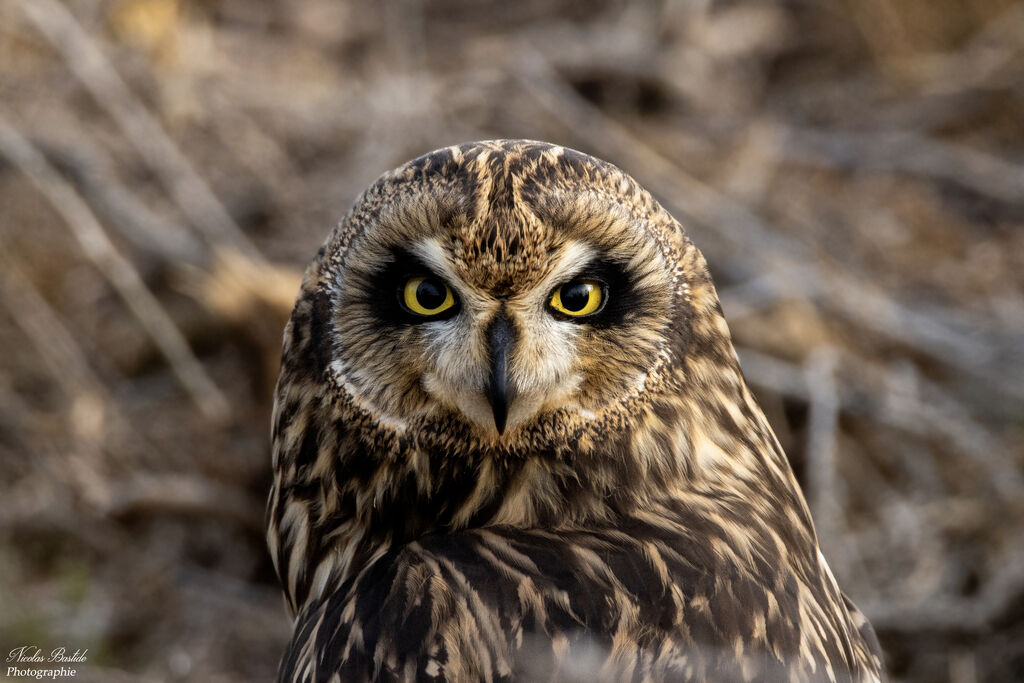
(377, 497)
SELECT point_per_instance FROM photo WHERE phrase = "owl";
(512, 442)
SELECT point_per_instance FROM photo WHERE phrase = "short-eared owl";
(512, 442)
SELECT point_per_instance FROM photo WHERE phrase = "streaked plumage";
(503, 492)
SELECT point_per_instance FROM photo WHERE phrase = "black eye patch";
(621, 300)
(385, 290)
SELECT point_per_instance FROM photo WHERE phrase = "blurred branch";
(880, 396)
(1002, 592)
(981, 63)
(822, 435)
(150, 493)
(905, 151)
(119, 271)
(65, 359)
(146, 230)
(184, 184)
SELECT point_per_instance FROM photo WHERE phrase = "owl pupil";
(430, 294)
(575, 296)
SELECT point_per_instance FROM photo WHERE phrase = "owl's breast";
(507, 604)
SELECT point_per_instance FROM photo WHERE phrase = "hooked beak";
(500, 341)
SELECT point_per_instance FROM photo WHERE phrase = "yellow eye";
(578, 298)
(427, 296)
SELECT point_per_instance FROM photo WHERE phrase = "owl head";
(505, 288)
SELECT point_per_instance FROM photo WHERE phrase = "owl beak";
(500, 341)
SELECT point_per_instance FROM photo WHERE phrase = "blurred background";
(852, 169)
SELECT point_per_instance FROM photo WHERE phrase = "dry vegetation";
(853, 169)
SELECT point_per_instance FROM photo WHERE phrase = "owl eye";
(427, 296)
(578, 298)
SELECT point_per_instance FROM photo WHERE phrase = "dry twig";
(120, 272)
(184, 184)
(822, 484)
(909, 152)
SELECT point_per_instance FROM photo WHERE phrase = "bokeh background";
(852, 169)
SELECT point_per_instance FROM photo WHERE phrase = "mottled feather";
(637, 520)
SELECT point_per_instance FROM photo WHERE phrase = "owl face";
(493, 291)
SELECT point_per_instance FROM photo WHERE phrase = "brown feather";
(636, 521)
